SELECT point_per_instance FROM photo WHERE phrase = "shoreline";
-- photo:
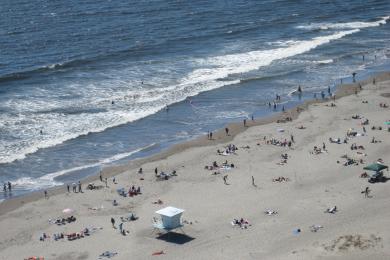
(298, 182)
(219, 137)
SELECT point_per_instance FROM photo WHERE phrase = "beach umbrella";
(375, 167)
(67, 211)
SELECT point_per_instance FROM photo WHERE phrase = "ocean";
(85, 84)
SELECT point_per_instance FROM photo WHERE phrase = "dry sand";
(316, 182)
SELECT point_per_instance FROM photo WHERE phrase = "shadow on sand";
(177, 238)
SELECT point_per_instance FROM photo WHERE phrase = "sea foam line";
(348, 25)
(47, 180)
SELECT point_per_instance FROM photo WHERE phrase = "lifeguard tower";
(170, 219)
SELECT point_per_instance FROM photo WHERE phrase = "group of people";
(7, 187)
(242, 223)
(75, 187)
(276, 142)
(230, 149)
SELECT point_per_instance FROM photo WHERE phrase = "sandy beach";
(298, 189)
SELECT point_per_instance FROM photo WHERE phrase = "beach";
(294, 191)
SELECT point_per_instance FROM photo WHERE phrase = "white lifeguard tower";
(170, 219)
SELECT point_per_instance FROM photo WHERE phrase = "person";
(269, 104)
(353, 76)
(211, 135)
(373, 81)
(299, 89)
(155, 171)
(225, 179)
(283, 109)
(113, 180)
(323, 146)
(227, 131)
(80, 190)
(68, 187)
(322, 94)
(274, 106)
(5, 187)
(140, 171)
(292, 139)
(113, 222)
(74, 187)
(244, 122)
(105, 180)
(121, 227)
(253, 118)
(329, 90)
(46, 196)
(101, 177)
(253, 181)
(9, 186)
(366, 192)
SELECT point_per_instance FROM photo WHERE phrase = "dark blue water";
(84, 84)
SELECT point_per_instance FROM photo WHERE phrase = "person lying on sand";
(281, 179)
(159, 202)
(332, 210)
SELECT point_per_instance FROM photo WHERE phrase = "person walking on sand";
(74, 187)
(225, 179)
(9, 186)
(227, 131)
(5, 187)
(68, 187)
(46, 195)
(253, 182)
(366, 192)
(80, 190)
(121, 227)
(211, 135)
(113, 222)
(101, 177)
(155, 171)
(292, 139)
(244, 122)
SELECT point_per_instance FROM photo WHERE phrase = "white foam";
(28, 183)
(349, 25)
(50, 177)
(324, 61)
(132, 100)
(47, 181)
